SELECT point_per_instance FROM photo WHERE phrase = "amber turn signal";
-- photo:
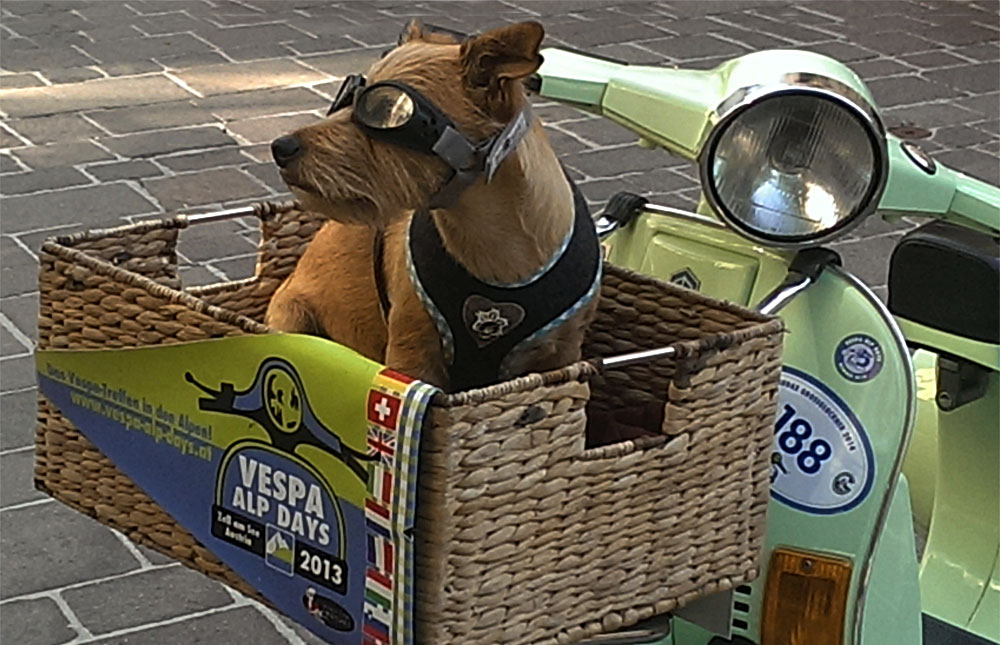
(805, 599)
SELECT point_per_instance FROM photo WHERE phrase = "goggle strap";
(455, 149)
(507, 141)
(448, 194)
(496, 150)
(346, 92)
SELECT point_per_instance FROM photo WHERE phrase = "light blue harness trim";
(542, 271)
(447, 341)
(595, 288)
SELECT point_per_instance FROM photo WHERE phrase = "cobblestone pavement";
(118, 111)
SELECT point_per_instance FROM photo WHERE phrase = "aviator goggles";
(396, 113)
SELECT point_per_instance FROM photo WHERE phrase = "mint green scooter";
(887, 415)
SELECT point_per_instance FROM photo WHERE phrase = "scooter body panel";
(894, 579)
(920, 466)
(986, 620)
(847, 384)
(964, 537)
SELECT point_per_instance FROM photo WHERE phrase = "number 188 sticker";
(822, 460)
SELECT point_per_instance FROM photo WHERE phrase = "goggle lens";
(384, 107)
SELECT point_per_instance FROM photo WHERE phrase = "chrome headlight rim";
(819, 87)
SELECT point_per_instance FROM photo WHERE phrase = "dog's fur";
(501, 231)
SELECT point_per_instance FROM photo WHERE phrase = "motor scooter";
(888, 415)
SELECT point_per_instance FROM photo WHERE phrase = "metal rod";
(638, 357)
(605, 226)
(219, 216)
(683, 214)
(783, 294)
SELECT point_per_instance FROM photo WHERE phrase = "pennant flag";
(380, 553)
(383, 409)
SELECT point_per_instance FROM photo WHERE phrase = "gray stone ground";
(120, 111)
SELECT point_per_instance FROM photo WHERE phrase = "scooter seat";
(947, 277)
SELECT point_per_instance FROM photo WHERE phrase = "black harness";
(481, 324)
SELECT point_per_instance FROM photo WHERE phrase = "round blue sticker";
(859, 358)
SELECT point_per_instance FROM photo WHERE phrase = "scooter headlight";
(796, 165)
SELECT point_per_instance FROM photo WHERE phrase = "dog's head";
(336, 168)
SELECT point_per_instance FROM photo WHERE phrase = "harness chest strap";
(481, 323)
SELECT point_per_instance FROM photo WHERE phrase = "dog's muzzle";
(285, 150)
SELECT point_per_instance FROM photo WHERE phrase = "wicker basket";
(525, 534)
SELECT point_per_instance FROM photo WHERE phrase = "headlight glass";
(793, 167)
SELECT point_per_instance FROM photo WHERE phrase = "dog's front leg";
(414, 346)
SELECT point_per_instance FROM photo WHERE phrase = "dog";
(447, 204)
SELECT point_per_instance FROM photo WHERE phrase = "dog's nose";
(285, 150)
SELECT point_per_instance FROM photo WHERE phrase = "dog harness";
(482, 323)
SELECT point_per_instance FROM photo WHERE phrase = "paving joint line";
(62, 189)
(279, 625)
(84, 52)
(74, 621)
(137, 186)
(18, 335)
(581, 139)
(43, 229)
(215, 48)
(16, 134)
(182, 84)
(24, 167)
(271, 192)
(45, 593)
(14, 451)
(149, 626)
(19, 390)
(82, 169)
(131, 547)
(816, 12)
(23, 505)
(100, 71)
(88, 119)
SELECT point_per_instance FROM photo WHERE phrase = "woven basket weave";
(524, 534)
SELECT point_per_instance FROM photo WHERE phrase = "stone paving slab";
(116, 111)
(100, 93)
(36, 621)
(47, 546)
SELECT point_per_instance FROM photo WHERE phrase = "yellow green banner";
(292, 458)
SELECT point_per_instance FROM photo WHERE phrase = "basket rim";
(91, 234)
(263, 210)
(132, 279)
(687, 294)
(583, 370)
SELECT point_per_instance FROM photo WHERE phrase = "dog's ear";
(506, 53)
(414, 30)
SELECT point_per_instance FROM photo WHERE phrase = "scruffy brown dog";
(502, 231)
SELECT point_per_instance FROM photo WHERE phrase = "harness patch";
(487, 320)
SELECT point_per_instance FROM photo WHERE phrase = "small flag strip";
(395, 409)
